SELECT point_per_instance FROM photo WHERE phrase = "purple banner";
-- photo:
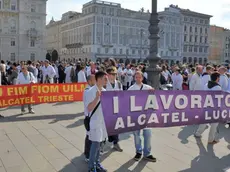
(126, 111)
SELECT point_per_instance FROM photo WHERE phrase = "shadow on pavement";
(138, 168)
(207, 161)
(62, 103)
(186, 132)
(76, 124)
(55, 118)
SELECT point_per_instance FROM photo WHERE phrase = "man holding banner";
(97, 130)
(146, 132)
(113, 85)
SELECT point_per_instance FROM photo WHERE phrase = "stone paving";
(52, 140)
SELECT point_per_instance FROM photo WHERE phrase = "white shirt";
(98, 132)
(81, 76)
(88, 72)
(138, 87)
(177, 80)
(49, 70)
(224, 82)
(129, 75)
(205, 79)
(68, 72)
(116, 87)
(145, 75)
(196, 82)
(22, 79)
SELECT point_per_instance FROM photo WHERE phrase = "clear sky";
(219, 9)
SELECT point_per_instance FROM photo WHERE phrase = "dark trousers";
(87, 146)
(61, 80)
(114, 139)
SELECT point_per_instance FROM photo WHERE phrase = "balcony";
(32, 33)
(74, 45)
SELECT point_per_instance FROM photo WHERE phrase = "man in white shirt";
(223, 78)
(177, 80)
(211, 85)
(48, 73)
(113, 85)
(146, 132)
(98, 132)
(196, 80)
(128, 76)
(206, 75)
(91, 82)
(25, 77)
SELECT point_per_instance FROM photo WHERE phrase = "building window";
(139, 52)
(32, 43)
(13, 7)
(185, 19)
(106, 50)
(201, 30)
(200, 49)
(33, 8)
(185, 38)
(98, 50)
(206, 31)
(195, 29)
(190, 38)
(121, 52)
(190, 29)
(185, 48)
(145, 52)
(205, 40)
(190, 48)
(114, 51)
(185, 28)
(195, 49)
(201, 38)
(195, 38)
(133, 51)
(205, 49)
(32, 57)
(0, 4)
(127, 51)
(12, 57)
(12, 42)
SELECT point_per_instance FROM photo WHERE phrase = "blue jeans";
(147, 141)
(94, 156)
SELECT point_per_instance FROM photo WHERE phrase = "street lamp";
(153, 58)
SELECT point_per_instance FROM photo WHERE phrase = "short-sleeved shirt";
(98, 132)
(138, 87)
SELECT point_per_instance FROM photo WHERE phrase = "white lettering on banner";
(166, 104)
(119, 123)
(115, 105)
(224, 114)
(195, 101)
(141, 119)
(165, 115)
(153, 119)
(219, 97)
(175, 117)
(208, 102)
(227, 103)
(129, 122)
(184, 119)
(183, 99)
(151, 103)
(133, 106)
(217, 114)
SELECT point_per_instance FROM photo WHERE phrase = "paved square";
(52, 140)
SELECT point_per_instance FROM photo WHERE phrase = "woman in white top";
(81, 75)
(25, 77)
(68, 72)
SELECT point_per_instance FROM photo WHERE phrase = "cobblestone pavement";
(52, 140)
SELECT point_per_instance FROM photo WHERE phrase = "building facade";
(22, 28)
(171, 34)
(196, 36)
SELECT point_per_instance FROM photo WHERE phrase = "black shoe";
(150, 158)
(1, 116)
(92, 170)
(137, 157)
(100, 168)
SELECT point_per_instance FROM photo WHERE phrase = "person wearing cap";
(177, 79)
(113, 85)
(48, 72)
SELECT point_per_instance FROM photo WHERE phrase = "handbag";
(87, 118)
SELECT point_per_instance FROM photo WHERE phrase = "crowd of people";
(113, 76)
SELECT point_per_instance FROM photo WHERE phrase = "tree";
(54, 56)
(48, 57)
